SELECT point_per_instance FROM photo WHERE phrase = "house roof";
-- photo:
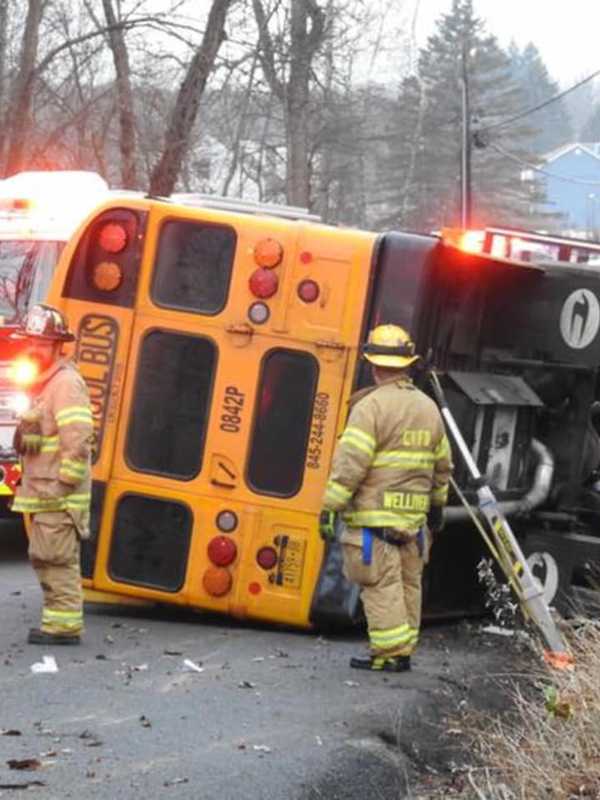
(591, 148)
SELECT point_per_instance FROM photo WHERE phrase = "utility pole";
(465, 171)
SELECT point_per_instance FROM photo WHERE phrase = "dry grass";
(548, 745)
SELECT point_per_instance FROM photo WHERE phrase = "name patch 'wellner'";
(97, 339)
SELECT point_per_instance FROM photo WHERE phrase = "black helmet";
(44, 322)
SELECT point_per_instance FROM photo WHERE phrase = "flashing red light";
(263, 282)
(24, 371)
(266, 557)
(217, 581)
(222, 551)
(308, 291)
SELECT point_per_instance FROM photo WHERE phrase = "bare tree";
(165, 173)
(307, 30)
(116, 38)
(18, 122)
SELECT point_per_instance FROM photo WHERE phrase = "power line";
(522, 163)
(547, 102)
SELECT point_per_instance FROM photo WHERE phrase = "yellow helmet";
(390, 346)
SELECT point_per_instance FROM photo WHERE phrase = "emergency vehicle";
(221, 341)
(38, 213)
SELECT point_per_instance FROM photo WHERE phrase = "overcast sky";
(567, 33)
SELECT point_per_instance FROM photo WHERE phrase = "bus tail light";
(227, 521)
(268, 253)
(113, 237)
(217, 581)
(107, 276)
(308, 291)
(258, 313)
(263, 283)
(266, 557)
(222, 551)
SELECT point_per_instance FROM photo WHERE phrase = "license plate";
(291, 562)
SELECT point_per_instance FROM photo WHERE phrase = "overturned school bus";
(220, 342)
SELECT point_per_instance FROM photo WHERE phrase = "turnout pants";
(390, 591)
(54, 552)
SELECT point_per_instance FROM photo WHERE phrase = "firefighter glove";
(435, 519)
(327, 525)
(28, 434)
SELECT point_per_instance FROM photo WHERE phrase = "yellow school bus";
(220, 344)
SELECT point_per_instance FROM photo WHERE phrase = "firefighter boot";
(37, 636)
(381, 663)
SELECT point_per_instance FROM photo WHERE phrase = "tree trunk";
(165, 173)
(307, 30)
(19, 127)
(125, 106)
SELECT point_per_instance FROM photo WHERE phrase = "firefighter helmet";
(390, 346)
(44, 322)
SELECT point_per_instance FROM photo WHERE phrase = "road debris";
(145, 721)
(26, 785)
(498, 631)
(261, 748)
(10, 732)
(192, 666)
(351, 683)
(170, 652)
(47, 664)
(109, 639)
(258, 658)
(175, 781)
(24, 763)
(246, 685)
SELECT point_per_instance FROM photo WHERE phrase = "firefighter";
(54, 439)
(389, 479)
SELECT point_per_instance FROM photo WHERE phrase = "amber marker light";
(107, 276)
(217, 581)
(268, 253)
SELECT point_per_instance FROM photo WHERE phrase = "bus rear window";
(170, 406)
(282, 420)
(193, 266)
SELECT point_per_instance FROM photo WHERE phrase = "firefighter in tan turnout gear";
(54, 439)
(389, 479)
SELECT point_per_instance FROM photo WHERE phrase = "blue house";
(572, 187)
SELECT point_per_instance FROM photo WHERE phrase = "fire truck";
(39, 211)
(221, 341)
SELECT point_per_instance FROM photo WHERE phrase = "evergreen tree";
(552, 123)
(420, 184)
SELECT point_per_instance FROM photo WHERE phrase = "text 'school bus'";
(220, 348)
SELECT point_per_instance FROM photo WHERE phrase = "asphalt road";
(273, 714)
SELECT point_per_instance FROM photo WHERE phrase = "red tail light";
(112, 237)
(222, 551)
(266, 557)
(308, 291)
(263, 283)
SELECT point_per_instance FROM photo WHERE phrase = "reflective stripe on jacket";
(58, 478)
(392, 461)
